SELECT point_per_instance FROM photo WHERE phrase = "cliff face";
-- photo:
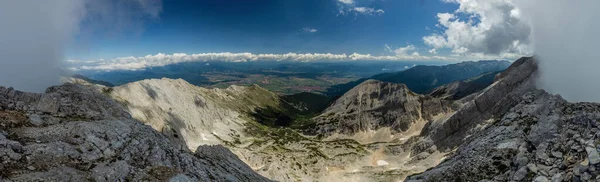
(374, 104)
(493, 102)
(514, 132)
(74, 133)
(542, 138)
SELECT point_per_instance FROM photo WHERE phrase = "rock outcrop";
(374, 104)
(543, 138)
(492, 102)
(514, 132)
(75, 133)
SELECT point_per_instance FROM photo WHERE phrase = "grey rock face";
(557, 139)
(494, 101)
(375, 104)
(87, 136)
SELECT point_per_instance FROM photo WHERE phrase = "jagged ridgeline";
(490, 126)
(422, 79)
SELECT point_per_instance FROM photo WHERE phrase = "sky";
(306, 30)
(272, 26)
(40, 40)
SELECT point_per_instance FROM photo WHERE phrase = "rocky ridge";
(543, 138)
(375, 105)
(75, 133)
(514, 132)
(460, 89)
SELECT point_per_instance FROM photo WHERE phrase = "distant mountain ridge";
(421, 79)
(459, 89)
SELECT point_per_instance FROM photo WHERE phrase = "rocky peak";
(374, 104)
(75, 133)
(515, 132)
(491, 103)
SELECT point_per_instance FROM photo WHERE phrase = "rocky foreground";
(514, 132)
(74, 133)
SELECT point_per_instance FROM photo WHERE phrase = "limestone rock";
(549, 131)
(375, 104)
(95, 138)
(593, 156)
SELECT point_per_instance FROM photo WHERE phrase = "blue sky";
(271, 26)
(145, 33)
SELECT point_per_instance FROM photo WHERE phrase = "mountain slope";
(421, 79)
(374, 104)
(460, 89)
(74, 133)
(198, 115)
(513, 132)
(239, 118)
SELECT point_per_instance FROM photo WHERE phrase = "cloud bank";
(34, 34)
(565, 39)
(32, 38)
(136, 63)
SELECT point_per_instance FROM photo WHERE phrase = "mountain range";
(471, 121)
(422, 78)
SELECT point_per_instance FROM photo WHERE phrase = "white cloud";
(309, 30)
(349, 2)
(137, 63)
(368, 11)
(354, 6)
(482, 27)
(402, 51)
(432, 51)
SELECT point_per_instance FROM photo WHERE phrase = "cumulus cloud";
(34, 34)
(137, 63)
(309, 30)
(432, 51)
(493, 27)
(562, 34)
(565, 37)
(404, 50)
(356, 7)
